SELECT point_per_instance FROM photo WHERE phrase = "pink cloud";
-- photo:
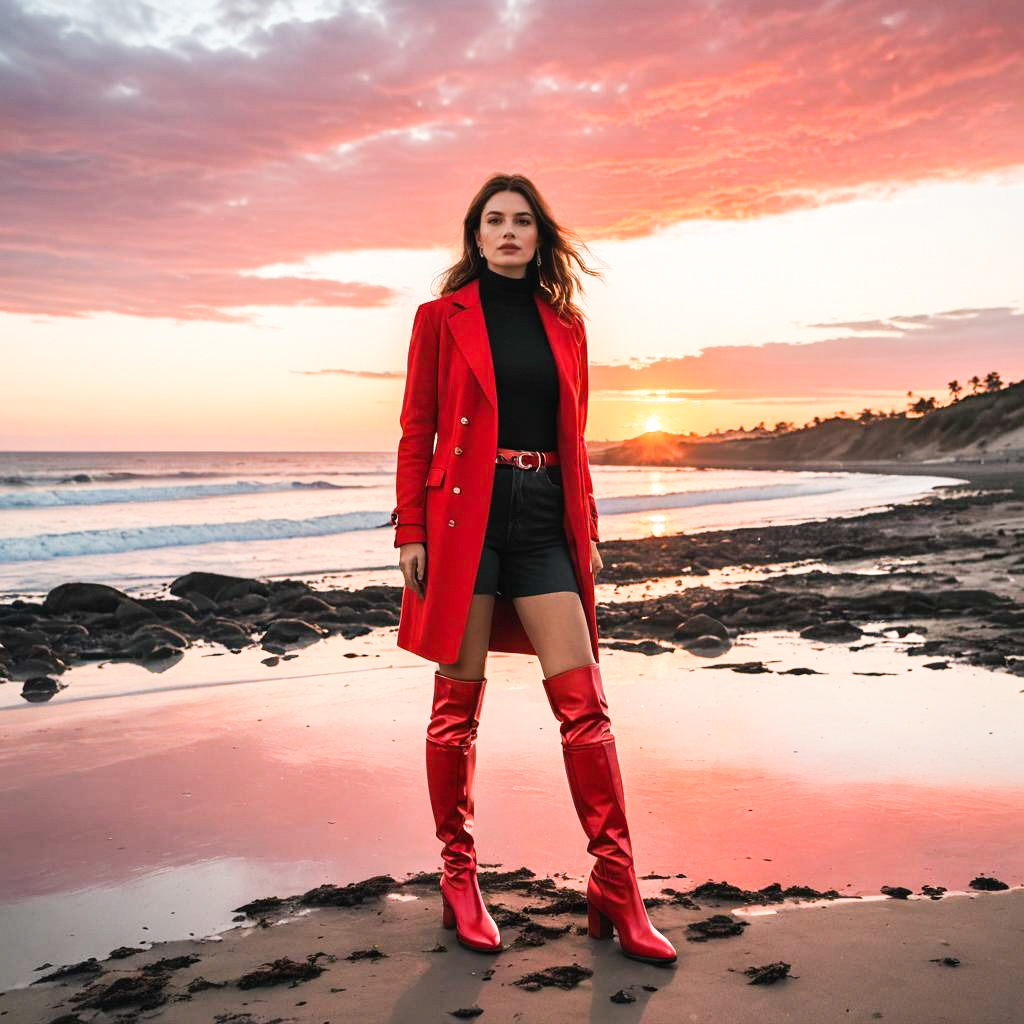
(147, 179)
(886, 358)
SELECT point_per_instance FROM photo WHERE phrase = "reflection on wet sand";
(234, 778)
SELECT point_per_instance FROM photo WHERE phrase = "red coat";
(444, 492)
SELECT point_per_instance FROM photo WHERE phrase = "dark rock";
(773, 893)
(534, 934)
(225, 630)
(260, 906)
(40, 688)
(699, 626)
(200, 984)
(897, 892)
(768, 974)
(366, 954)
(216, 587)
(83, 597)
(282, 970)
(37, 665)
(506, 917)
(291, 631)
(567, 901)
(718, 926)
(143, 991)
(986, 884)
(171, 963)
(128, 612)
(566, 977)
(646, 647)
(835, 630)
(250, 604)
(309, 603)
(965, 600)
(161, 634)
(122, 952)
(748, 667)
(349, 895)
(84, 967)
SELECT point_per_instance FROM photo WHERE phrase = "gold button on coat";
(464, 419)
(456, 490)
(451, 522)
(458, 451)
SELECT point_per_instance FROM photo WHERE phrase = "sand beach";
(825, 796)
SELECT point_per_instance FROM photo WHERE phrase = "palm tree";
(993, 382)
(975, 383)
(954, 389)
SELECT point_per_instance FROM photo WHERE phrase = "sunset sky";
(217, 219)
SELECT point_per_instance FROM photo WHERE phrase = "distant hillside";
(986, 424)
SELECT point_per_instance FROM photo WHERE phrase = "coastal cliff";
(987, 425)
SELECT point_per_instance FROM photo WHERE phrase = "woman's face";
(508, 233)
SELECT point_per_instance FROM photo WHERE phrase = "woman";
(504, 509)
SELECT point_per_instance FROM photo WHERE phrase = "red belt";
(524, 459)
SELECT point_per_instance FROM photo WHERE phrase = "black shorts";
(525, 549)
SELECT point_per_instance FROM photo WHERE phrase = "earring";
(538, 256)
(481, 250)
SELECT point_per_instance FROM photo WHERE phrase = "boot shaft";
(451, 765)
(455, 710)
(578, 701)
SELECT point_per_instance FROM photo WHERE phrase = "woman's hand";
(595, 558)
(412, 560)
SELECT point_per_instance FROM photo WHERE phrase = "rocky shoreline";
(960, 588)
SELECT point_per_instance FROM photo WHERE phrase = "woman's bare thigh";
(557, 627)
(472, 660)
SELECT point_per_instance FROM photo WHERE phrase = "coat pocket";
(435, 475)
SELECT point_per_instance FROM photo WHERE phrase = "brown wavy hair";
(558, 245)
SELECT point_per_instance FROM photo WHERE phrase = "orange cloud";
(148, 178)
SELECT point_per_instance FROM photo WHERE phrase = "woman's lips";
(509, 248)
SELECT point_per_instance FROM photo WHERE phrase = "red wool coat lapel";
(444, 491)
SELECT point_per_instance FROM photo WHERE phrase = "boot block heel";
(598, 925)
(447, 914)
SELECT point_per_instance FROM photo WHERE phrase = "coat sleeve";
(418, 420)
(584, 457)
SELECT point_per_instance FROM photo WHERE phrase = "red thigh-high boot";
(451, 759)
(577, 698)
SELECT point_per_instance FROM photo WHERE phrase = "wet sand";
(951, 958)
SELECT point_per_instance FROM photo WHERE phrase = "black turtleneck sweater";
(524, 368)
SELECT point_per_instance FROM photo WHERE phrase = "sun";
(653, 423)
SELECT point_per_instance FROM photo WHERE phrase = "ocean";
(137, 520)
